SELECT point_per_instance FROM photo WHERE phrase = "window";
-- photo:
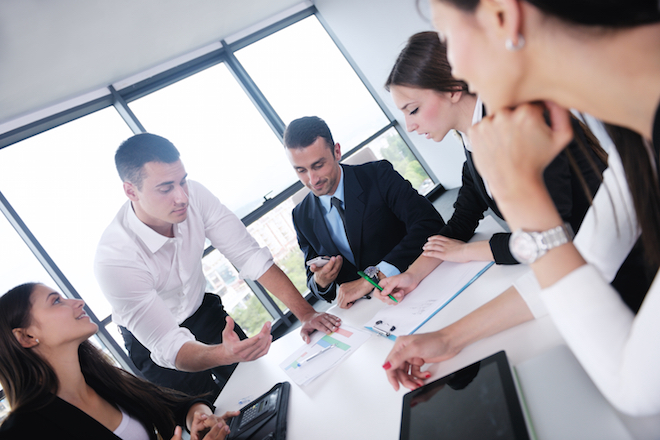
(224, 142)
(64, 185)
(225, 112)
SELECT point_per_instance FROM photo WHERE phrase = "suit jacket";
(563, 184)
(386, 220)
(60, 419)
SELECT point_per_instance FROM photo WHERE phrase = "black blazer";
(563, 185)
(386, 219)
(59, 419)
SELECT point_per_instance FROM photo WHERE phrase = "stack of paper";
(307, 363)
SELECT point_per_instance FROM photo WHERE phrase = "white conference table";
(354, 400)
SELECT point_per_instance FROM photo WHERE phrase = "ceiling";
(54, 50)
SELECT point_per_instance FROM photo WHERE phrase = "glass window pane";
(237, 297)
(64, 185)
(275, 230)
(390, 146)
(224, 142)
(302, 73)
(17, 263)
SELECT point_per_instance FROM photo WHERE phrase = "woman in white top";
(60, 386)
(602, 58)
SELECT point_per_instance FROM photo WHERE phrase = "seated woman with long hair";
(602, 58)
(433, 103)
(60, 386)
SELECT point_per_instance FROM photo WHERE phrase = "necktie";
(337, 204)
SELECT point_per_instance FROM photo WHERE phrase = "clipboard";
(421, 305)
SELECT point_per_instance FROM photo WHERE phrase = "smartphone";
(318, 261)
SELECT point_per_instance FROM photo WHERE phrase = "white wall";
(373, 32)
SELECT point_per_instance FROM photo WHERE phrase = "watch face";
(523, 247)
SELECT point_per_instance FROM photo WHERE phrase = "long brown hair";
(30, 383)
(423, 64)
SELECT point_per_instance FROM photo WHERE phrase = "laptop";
(264, 417)
(479, 401)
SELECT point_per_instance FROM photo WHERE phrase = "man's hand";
(323, 322)
(348, 293)
(325, 275)
(249, 349)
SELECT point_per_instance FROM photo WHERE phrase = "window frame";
(109, 96)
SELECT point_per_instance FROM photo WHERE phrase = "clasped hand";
(512, 148)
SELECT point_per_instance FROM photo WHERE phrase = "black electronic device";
(476, 402)
(264, 417)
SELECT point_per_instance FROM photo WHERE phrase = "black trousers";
(207, 324)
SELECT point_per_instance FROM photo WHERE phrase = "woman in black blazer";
(434, 103)
(60, 386)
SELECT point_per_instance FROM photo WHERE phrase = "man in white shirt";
(148, 264)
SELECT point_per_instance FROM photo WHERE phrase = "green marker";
(375, 284)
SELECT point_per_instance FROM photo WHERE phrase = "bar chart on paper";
(322, 353)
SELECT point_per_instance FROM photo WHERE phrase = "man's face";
(163, 199)
(316, 166)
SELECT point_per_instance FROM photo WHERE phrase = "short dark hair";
(304, 131)
(140, 149)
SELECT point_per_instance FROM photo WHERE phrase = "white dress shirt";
(154, 283)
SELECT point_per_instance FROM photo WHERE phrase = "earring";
(510, 46)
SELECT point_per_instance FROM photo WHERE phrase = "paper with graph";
(322, 353)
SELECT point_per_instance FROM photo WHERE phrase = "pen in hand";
(376, 285)
(309, 358)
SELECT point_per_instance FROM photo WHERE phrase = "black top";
(59, 419)
(563, 185)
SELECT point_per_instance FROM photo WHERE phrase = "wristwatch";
(372, 272)
(527, 247)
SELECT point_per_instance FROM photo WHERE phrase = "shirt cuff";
(257, 265)
(320, 294)
(530, 291)
(165, 352)
(388, 269)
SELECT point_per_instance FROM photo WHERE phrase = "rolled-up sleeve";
(137, 306)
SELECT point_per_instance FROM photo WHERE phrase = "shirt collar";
(339, 193)
(477, 116)
(151, 238)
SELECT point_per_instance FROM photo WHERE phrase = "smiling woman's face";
(476, 51)
(56, 320)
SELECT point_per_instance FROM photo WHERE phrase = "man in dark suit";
(357, 216)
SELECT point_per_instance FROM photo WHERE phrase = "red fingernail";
(428, 375)
(387, 365)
